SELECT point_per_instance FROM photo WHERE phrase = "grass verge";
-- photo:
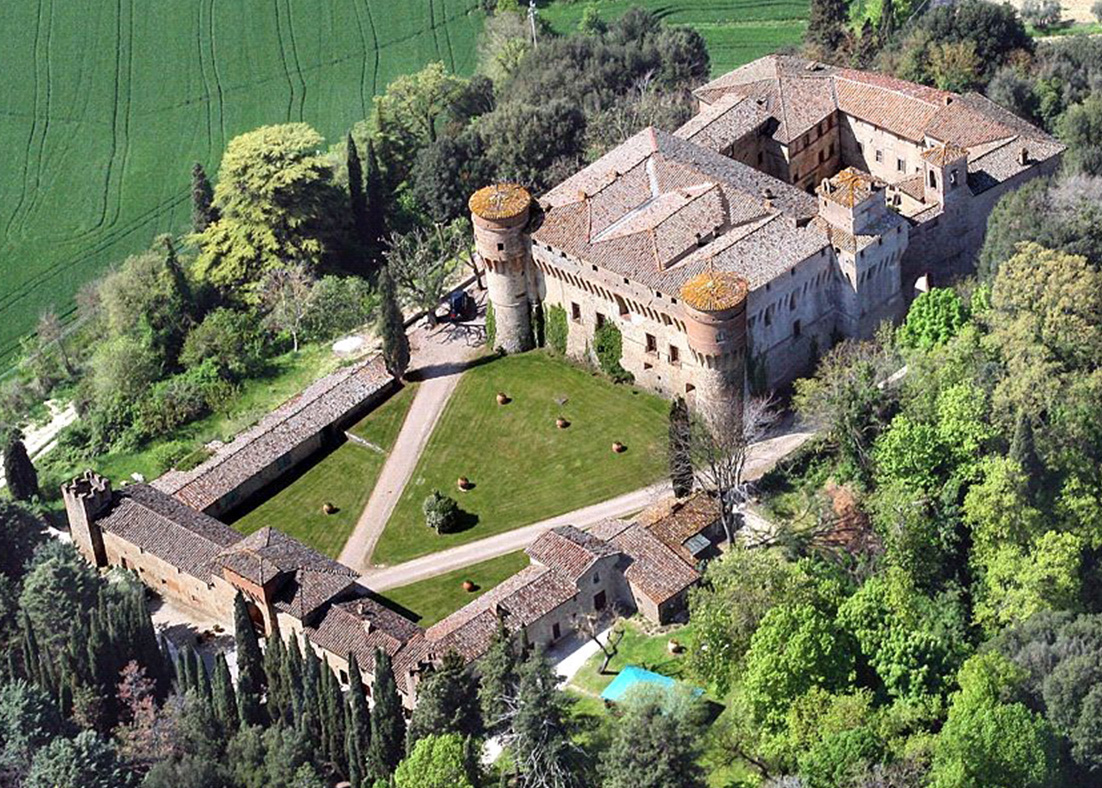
(524, 469)
(428, 601)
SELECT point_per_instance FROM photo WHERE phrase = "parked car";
(461, 306)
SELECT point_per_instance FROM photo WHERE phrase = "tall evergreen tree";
(538, 735)
(395, 341)
(1023, 451)
(250, 665)
(359, 724)
(333, 720)
(292, 680)
(499, 677)
(357, 199)
(224, 697)
(447, 702)
(375, 194)
(203, 212)
(308, 723)
(19, 472)
(278, 698)
(678, 448)
(388, 726)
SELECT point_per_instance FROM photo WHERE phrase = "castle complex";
(801, 205)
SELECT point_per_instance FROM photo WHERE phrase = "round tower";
(500, 215)
(715, 312)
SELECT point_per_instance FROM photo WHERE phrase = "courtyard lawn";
(383, 424)
(344, 476)
(438, 597)
(524, 468)
(736, 31)
(637, 648)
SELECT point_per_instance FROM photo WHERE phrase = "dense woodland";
(928, 610)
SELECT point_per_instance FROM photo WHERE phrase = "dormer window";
(933, 179)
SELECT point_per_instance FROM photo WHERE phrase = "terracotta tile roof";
(521, 600)
(912, 185)
(850, 187)
(660, 210)
(1001, 162)
(164, 527)
(311, 579)
(941, 155)
(568, 550)
(359, 626)
(678, 521)
(655, 570)
(292, 423)
(720, 125)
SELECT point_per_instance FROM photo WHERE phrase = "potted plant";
(618, 447)
(674, 647)
(502, 398)
(463, 483)
(329, 508)
(468, 586)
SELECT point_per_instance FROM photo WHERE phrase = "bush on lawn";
(608, 344)
(556, 329)
(441, 512)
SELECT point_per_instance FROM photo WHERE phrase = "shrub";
(608, 345)
(491, 325)
(441, 512)
(934, 318)
(556, 327)
(230, 338)
(339, 304)
(182, 398)
(166, 455)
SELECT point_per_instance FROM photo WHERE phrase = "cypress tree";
(395, 341)
(292, 680)
(334, 721)
(223, 696)
(203, 212)
(375, 195)
(1023, 451)
(278, 701)
(388, 726)
(357, 199)
(680, 459)
(499, 677)
(309, 722)
(250, 665)
(359, 723)
(32, 660)
(19, 472)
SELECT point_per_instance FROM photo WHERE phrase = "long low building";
(166, 533)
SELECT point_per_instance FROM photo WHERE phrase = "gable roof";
(654, 569)
(295, 421)
(161, 525)
(359, 626)
(569, 551)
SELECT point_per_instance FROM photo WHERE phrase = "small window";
(880, 155)
(761, 157)
(556, 632)
(822, 156)
(575, 311)
(344, 677)
(675, 354)
(861, 148)
(596, 578)
(900, 165)
(769, 315)
(652, 343)
(807, 140)
(689, 388)
(600, 320)
(933, 180)
(795, 177)
(599, 600)
(501, 247)
(796, 328)
(830, 150)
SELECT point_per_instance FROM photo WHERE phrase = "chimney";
(1023, 156)
(368, 627)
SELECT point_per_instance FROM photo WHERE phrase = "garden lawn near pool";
(736, 31)
(343, 476)
(523, 467)
(438, 597)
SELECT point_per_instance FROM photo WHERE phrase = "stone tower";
(715, 312)
(86, 498)
(500, 217)
(945, 175)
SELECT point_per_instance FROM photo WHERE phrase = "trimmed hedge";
(608, 345)
(556, 328)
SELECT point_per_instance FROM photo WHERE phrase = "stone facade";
(828, 192)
